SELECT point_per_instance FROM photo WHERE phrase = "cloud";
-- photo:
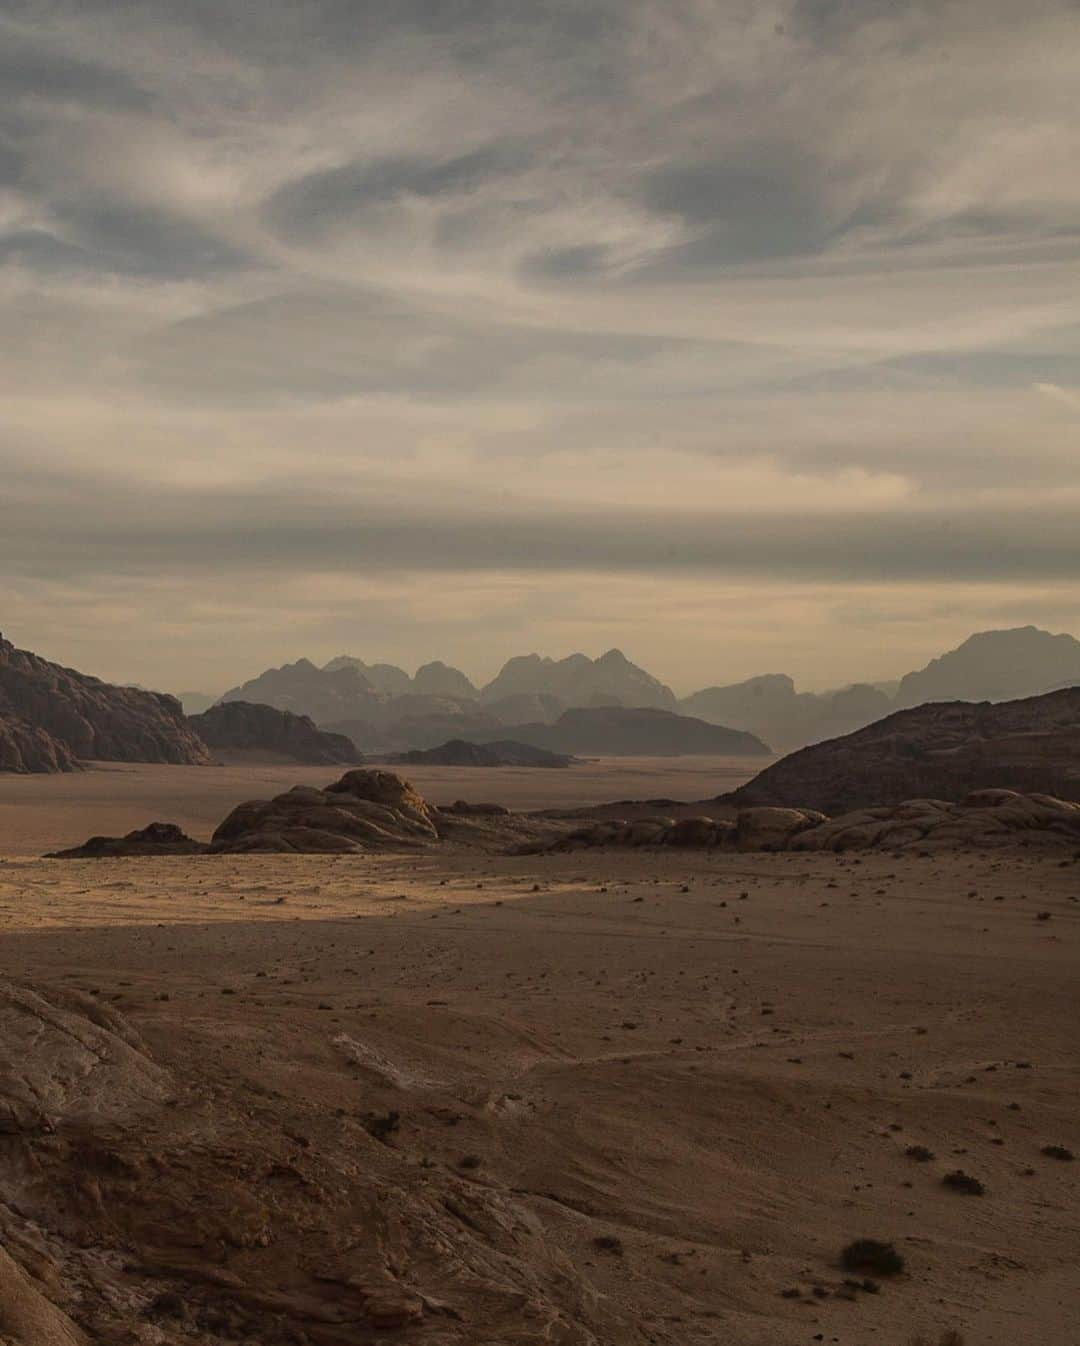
(634, 295)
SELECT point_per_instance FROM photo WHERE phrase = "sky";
(742, 336)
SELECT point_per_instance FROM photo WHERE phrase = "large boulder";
(154, 839)
(939, 751)
(89, 718)
(364, 810)
(242, 726)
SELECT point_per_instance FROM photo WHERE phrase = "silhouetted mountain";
(91, 719)
(502, 752)
(439, 679)
(386, 678)
(580, 681)
(621, 731)
(338, 694)
(996, 666)
(240, 726)
(433, 679)
(942, 750)
(770, 707)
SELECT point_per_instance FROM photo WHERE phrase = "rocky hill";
(620, 731)
(996, 666)
(50, 715)
(240, 726)
(502, 752)
(943, 750)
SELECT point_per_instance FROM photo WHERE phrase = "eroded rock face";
(939, 751)
(90, 719)
(155, 839)
(364, 810)
(985, 818)
(144, 1204)
(244, 726)
(65, 1058)
(26, 748)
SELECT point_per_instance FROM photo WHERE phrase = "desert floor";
(718, 1061)
(44, 813)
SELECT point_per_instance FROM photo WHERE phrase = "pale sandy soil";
(47, 813)
(718, 1060)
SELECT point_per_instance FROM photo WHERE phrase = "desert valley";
(642, 1049)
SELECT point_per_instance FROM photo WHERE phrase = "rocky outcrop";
(996, 666)
(26, 748)
(154, 839)
(242, 726)
(580, 681)
(91, 719)
(503, 752)
(984, 819)
(363, 811)
(943, 750)
(618, 731)
(173, 1197)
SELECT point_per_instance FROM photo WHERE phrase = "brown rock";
(244, 726)
(71, 715)
(364, 810)
(155, 839)
(943, 751)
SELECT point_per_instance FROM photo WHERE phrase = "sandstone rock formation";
(177, 1196)
(26, 748)
(982, 820)
(242, 726)
(943, 750)
(154, 839)
(364, 810)
(90, 718)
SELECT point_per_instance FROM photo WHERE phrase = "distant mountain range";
(384, 709)
(53, 718)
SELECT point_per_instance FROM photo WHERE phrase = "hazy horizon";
(740, 337)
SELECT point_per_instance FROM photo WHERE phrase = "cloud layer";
(743, 335)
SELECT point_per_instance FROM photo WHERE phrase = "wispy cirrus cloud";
(637, 296)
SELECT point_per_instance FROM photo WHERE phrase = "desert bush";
(1058, 1152)
(872, 1255)
(962, 1182)
(919, 1153)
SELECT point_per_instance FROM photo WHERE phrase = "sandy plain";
(639, 1095)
